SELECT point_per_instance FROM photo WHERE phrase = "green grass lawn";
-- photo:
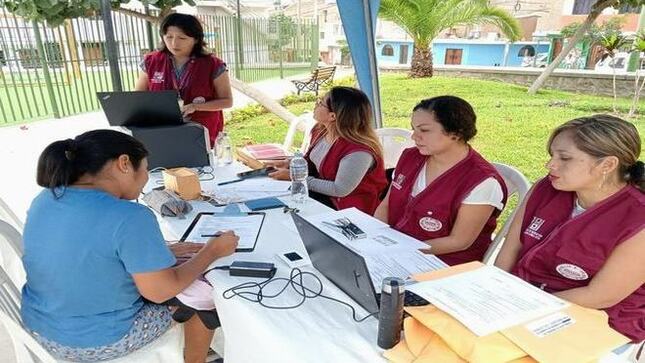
(24, 97)
(512, 126)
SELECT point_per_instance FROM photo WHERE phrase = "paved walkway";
(20, 147)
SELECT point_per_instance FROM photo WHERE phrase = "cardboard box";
(184, 182)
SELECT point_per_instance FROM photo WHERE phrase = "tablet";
(207, 225)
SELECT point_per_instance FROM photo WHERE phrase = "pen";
(230, 181)
(212, 235)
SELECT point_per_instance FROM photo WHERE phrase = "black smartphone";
(292, 256)
(256, 173)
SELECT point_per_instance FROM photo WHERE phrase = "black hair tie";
(636, 171)
(70, 150)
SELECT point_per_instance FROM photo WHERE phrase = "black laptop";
(343, 266)
(141, 108)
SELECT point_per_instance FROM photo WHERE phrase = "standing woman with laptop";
(443, 192)
(183, 64)
(345, 158)
(580, 233)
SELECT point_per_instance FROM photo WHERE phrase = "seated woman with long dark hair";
(345, 157)
(97, 265)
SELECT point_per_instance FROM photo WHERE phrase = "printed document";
(488, 299)
(248, 189)
(247, 227)
(401, 264)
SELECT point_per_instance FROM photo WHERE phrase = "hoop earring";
(604, 180)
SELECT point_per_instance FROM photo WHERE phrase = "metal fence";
(47, 72)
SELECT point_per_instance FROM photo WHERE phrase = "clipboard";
(251, 234)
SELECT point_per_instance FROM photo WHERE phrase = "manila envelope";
(589, 338)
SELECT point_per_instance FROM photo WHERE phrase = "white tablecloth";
(320, 330)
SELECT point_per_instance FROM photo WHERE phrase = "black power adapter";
(252, 269)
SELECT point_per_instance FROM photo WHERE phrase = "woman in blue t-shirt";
(97, 264)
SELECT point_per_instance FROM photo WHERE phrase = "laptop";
(141, 108)
(343, 266)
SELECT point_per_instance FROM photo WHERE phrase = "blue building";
(470, 52)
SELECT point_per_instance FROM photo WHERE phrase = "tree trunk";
(593, 15)
(266, 101)
(637, 91)
(421, 65)
(614, 84)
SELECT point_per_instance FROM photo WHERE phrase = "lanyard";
(180, 84)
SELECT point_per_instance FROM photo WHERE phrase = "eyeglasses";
(322, 102)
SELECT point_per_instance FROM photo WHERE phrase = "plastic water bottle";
(390, 316)
(224, 147)
(299, 170)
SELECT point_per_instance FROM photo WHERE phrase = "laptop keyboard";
(412, 299)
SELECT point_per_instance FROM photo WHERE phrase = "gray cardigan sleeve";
(351, 170)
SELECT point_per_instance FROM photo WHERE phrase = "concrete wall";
(587, 82)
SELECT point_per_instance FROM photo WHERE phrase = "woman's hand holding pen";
(223, 245)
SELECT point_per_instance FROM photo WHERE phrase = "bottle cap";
(393, 284)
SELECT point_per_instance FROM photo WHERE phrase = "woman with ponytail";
(345, 158)
(580, 233)
(97, 265)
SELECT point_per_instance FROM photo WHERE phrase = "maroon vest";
(433, 212)
(561, 253)
(196, 83)
(366, 195)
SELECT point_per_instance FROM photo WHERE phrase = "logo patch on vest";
(430, 224)
(398, 182)
(572, 272)
(534, 227)
(157, 77)
(199, 100)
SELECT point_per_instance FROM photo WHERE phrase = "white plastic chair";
(516, 182)
(6, 214)
(167, 348)
(11, 251)
(306, 122)
(394, 140)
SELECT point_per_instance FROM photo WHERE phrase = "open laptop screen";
(342, 266)
(141, 108)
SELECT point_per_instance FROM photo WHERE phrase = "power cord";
(255, 291)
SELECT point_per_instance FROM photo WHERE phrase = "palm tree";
(423, 20)
(611, 43)
(639, 48)
(596, 9)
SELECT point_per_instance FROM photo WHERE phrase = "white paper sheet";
(399, 264)
(488, 299)
(387, 252)
(247, 227)
(248, 189)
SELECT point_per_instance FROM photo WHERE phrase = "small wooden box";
(184, 182)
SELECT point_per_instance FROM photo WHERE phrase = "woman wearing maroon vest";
(182, 64)
(345, 158)
(580, 233)
(443, 192)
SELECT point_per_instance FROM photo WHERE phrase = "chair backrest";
(26, 349)
(8, 215)
(394, 140)
(515, 182)
(11, 251)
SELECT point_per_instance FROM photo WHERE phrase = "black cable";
(216, 268)
(258, 295)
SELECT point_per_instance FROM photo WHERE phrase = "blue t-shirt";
(80, 253)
